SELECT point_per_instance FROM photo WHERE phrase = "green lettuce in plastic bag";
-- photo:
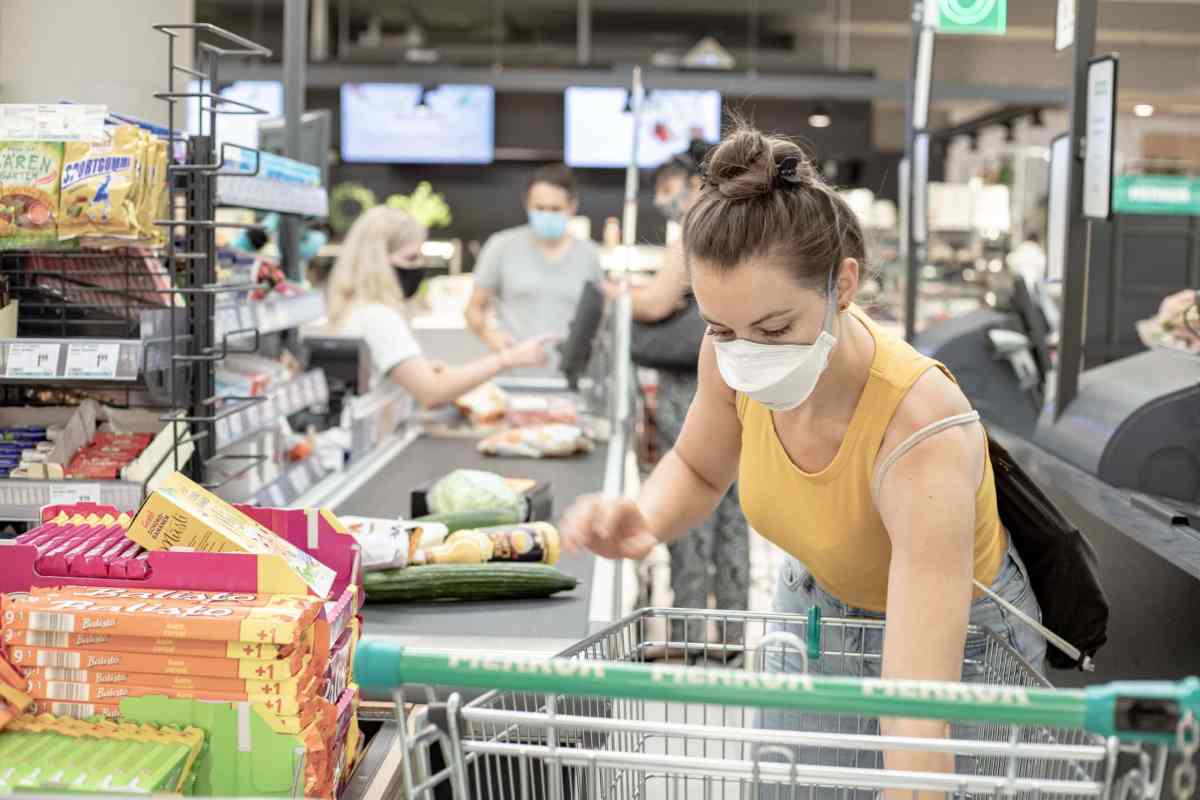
(474, 490)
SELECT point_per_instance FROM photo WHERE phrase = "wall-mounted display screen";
(403, 123)
(239, 129)
(599, 125)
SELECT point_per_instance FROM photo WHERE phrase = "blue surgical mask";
(548, 225)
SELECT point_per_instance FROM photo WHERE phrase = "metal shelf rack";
(145, 328)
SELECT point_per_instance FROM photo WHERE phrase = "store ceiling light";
(1143, 110)
(820, 117)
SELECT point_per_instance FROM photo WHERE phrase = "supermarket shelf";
(308, 390)
(68, 359)
(270, 316)
(290, 486)
(265, 194)
(23, 499)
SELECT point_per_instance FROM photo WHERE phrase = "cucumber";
(494, 581)
(464, 520)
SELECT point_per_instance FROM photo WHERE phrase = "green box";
(1157, 194)
(979, 17)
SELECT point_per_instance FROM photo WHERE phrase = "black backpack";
(1063, 566)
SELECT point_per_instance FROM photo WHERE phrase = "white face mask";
(780, 376)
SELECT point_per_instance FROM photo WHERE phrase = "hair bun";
(749, 164)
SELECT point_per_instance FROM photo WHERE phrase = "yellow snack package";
(156, 184)
(98, 185)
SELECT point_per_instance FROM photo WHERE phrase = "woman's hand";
(529, 353)
(609, 527)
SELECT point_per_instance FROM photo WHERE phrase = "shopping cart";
(599, 722)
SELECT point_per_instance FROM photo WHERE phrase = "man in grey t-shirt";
(528, 279)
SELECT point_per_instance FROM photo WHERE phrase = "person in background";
(715, 558)
(365, 300)
(528, 279)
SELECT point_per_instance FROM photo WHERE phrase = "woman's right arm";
(435, 385)
(684, 488)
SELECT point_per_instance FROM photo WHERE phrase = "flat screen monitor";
(1057, 212)
(599, 126)
(239, 129)
(387, 123)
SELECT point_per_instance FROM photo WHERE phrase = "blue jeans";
(857, 650)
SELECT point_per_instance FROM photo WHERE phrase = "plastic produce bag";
(538, 441)
(474, 490)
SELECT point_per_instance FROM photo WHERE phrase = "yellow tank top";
(828, 519)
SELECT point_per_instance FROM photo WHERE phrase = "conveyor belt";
(387, 495)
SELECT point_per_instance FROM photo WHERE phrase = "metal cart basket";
(600, 723)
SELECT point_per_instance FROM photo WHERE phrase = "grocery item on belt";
(385, 543)
(279, 619)
(484, 405)
(29, 175)
(467, 547)
(494, 581)
(475, 490)
(539, 441)
(524, 410)
(97, 186)
(532, 542)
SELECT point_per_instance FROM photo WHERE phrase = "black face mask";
(410, 279)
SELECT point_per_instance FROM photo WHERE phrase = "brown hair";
(762, 197)
(559, 175)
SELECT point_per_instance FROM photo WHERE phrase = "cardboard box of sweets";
(183, 515)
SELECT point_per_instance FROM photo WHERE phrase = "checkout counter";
(544, 627)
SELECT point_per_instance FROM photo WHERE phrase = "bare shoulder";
(932, 398)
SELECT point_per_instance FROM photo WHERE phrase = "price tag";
(68, 493)
(32, 360)
(65, 122)
(301, 479)
(85, 360)
(276, 496)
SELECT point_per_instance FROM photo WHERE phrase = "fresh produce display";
(475, 490)
(466, 582)
(539, 441)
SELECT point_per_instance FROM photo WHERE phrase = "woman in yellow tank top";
(857, 455)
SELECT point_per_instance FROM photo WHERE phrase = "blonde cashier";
(366, 301)
(857, 455)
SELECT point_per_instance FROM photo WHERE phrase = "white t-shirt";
(386, 333)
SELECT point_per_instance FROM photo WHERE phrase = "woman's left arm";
(927, 502)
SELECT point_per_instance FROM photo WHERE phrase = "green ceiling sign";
(1157, 194)
(980, 17)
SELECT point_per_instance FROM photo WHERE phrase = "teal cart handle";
(1133, 711)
